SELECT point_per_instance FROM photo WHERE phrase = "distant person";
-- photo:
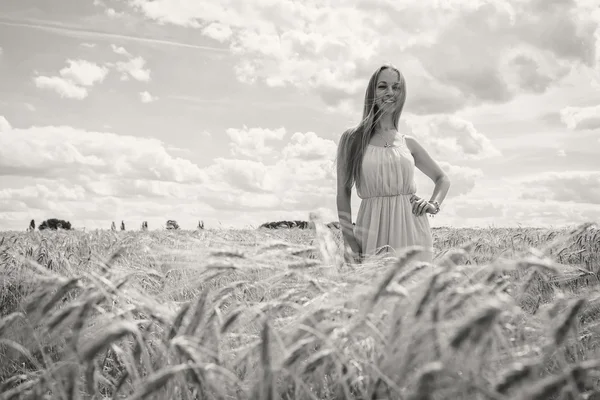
(381, 162)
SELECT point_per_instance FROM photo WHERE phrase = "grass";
(257, 314)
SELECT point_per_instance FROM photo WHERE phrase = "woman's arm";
(429, 167)
(344, 193)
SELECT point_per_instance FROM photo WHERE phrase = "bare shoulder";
(412, 143)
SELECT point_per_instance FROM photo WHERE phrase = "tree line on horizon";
(56, 224)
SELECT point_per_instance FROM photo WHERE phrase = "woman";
(381, 162)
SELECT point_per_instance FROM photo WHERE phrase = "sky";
(230, 111)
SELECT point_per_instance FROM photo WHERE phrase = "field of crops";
(277, 314)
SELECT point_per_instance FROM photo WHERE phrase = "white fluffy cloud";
(511, 212)
(217, 31)
(62, 86)
(82, 170)
(146, 97)
(254, 143)
(581, 118)
(450, 138)
(93, 178)
(308, 147)
(120, 50)
(83, 72)
(66, 152)
(4, 124)
(567, 186)
(41, 197)
(134, 68)
(299, 176)
(74, 79)
(463, 179)
(332, 46)
(546, 199)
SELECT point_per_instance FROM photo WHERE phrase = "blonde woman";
(381, 162)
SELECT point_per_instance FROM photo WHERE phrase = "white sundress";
(385, 215)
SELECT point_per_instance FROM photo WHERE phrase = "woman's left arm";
(429, 167)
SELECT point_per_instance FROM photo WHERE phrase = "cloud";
(73, 79)
(83, 72)
(4, 125)
(581, 118)
(41, 196)
(511, 49)
(146, 97)
(296, 171)
(474, 209)
(448, 137)
(120, 50)
(297, 177)
(463, 179)
(309, 146)
(567, 186)
(466, 211)
(63, 152)
(95, 211)
(92, 178)
(252, 143)
(332, 48)
(217, 31)
(62, 86)
(134, 68)
(79, 75)
(112, 13)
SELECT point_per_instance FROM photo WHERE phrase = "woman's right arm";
(345, 213)
(344, 193)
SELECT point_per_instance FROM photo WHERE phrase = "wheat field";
(278, 314)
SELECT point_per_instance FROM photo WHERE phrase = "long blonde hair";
(354, 141)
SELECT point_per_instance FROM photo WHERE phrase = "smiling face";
(385, 95)
(388, 89)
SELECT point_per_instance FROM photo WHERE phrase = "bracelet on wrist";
(436, 205)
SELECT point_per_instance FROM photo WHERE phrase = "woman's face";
(387, 90)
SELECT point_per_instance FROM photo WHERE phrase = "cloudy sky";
(230, 111)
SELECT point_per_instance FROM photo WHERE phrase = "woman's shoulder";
(413, 144)
(410, 141)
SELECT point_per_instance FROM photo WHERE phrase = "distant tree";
(122, 225)
(113, 227)
(200, 224)
(172, 224)
(145, 225)
(55, 224)
(31, 226)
